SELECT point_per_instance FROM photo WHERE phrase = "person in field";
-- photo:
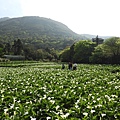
(63, 66)
(75, 66)
(70, 66)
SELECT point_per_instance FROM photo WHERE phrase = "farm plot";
(92, 92)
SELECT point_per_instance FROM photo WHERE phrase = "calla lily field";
(44, 91)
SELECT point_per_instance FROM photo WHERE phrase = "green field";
(43, 91)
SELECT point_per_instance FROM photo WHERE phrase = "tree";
(40, 54)
(64, 55)
(71, 53)
(83, 50)
(99, 55)
(108, 52)
(112, 48)
(29, 52)
(17, 47)
(7, 48)
(1, 51)
(54, 53)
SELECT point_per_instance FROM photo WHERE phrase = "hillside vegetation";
(86, 51)
(37, 31)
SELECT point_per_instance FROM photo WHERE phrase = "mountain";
(4, 19)
(38, 31)
(94, 36)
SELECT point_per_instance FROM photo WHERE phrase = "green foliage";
(108, 52)
(44, 91)
(17, 47)
(36, 35)
(98, 55)
(7, 48)
(83, 50)
(79, 52)
(38, 31)
(112, 45)
(29, 51)
(65, 55)
(1, 52)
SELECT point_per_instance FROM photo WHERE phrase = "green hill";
(4, 19)
(37, 31)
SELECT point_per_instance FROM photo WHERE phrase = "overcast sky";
(97, 17)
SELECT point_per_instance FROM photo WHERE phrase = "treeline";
(83, 51)
(43, 41)
(28, 50)
(86, 51)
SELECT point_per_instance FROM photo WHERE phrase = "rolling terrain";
(37, 31)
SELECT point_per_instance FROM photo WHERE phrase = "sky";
(96, 17)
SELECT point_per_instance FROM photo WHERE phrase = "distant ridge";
(89, 36)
